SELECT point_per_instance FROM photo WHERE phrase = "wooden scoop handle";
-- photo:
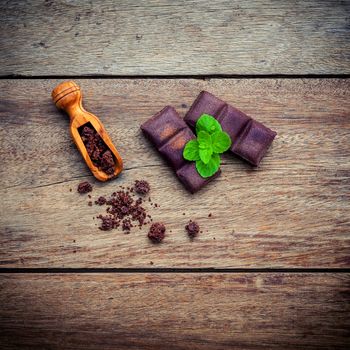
(67, 96)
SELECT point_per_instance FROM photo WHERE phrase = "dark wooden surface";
(175, 311)
(271, 268)
(291, 212)
(170, 37)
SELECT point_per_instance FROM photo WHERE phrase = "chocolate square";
(190, 178)
(204, 103)
(172, 150)
(163, 125)
(254, 143)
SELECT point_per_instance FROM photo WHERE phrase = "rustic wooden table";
(272, 267)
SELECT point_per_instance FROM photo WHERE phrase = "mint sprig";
(211, 141)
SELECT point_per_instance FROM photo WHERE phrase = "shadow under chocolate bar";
(250, 139)
(169, 134)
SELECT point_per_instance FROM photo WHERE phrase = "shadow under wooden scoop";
(67, 96)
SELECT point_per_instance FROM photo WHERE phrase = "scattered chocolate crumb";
(126, 226)
(89, 195)
(74, 251)
(101, 200)
(210, 215)
(214, 238)
(107, 222)
(70, 190)
(141, 187)
(73, 240)
(183, 213)
(151, 262)
(192, 228)
(123, 210)
(84, 187)
(90, 204)
(156, 232)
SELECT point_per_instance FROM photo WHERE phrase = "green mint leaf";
(205, 154)
(207, 170)
(221, 142)
(204, 139)
(208, 124)
(191, 150)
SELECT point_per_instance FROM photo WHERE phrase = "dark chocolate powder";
(123, 210)
(141, 187)
(192, 228)
(156, 232)
(100, 154)
(107, 222)
(84, 187)
(101, 200)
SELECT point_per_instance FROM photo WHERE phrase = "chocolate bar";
(250, 139)
(169, 134)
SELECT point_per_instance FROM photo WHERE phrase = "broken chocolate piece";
(141, 187)
(192, 229)
(84, 187)
(156, 232)
(250, 139)
(169, 134)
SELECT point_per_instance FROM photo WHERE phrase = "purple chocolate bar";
(250, 139)
(169, 134)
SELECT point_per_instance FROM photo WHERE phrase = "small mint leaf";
(205, 154)
(221, 142)
(204, 139)
(208, 124)
(207, 170)
(191, 150)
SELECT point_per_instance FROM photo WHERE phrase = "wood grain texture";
(175, 311)
(291, 212)
(174, 37)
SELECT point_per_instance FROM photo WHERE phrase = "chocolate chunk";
(84, 187)
(141, 187)
(192, 228)
(169, 134)
(190, 178)
(162, 126)
(156, 232)
(172, 150)
(250, 139)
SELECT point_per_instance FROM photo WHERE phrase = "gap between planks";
(173, 270)
(179, 76)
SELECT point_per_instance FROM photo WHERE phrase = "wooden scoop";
(67, 96)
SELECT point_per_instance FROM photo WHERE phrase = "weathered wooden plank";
(174, 37)
(175, 311)
(292, 212)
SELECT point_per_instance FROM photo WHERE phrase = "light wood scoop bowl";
(67, 96)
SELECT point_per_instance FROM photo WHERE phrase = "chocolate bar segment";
(163, 126)
(172, 150)
(190, 178)
(169, 134)
(250, 139)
